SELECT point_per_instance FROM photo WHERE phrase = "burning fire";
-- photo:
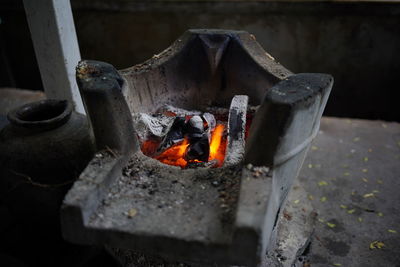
(175, 154)
(216, 150)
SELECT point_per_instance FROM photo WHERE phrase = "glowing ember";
(175, 154)
(215, 145)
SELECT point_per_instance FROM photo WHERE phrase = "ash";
(198, 203)
(157, 125)
(148, 126)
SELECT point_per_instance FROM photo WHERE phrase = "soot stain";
(316, 258)
(357, 198)
(338, 248)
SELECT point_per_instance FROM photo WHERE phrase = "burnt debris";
(190, 140)
(198, 149)
(175, 134)
(198, 136)
(197, 130)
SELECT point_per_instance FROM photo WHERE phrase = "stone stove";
(224, 215)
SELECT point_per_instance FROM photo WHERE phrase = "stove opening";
(192, 139)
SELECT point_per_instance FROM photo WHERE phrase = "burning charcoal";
(178, 111)
(175, 134)
(154, 126)
(198, 150)
(195, 128)
(177, 128)
(210, 120)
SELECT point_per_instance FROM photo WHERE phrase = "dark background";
(358, 43)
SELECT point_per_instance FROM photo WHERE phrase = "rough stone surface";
(179, 214)
(295, 228)
(170, 202)
(294, 231)
(236, 130)
(100, 87)
(147, 125)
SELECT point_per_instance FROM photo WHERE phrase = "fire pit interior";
(197, 149)
(192, 139)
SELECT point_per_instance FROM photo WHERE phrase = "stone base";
(292, 238)
(294, 231)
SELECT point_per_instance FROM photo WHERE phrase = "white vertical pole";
(56, 47)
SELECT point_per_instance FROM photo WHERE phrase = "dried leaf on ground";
(368, 195)
(132, 213)
(376, 245)
(331, 225)
(351, 211)
(322, 183)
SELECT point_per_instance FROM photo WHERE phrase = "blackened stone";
(199, 149)
(210, 120)
(195, 128)
(175, 134)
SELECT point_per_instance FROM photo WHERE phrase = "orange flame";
(215, 144)
(175, 154)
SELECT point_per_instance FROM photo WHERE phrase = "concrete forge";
(226, 215)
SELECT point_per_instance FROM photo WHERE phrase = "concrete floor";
(352, 177)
